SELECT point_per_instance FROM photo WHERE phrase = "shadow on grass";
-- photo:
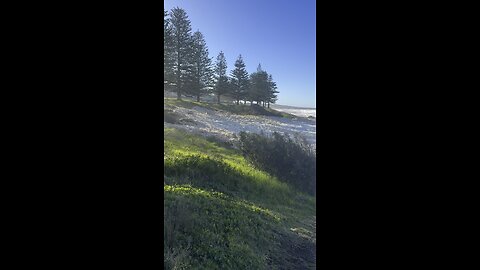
(240, 109)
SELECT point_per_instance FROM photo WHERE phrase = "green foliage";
(271, 96)
(201, 79)
(182, 50)
(221, 78)
(239, 81)
(168, 52)
(219, 231)
(262, 87)
(290, 159)
(222, 143)
(223, 213)
(188, 69)
(214, 174)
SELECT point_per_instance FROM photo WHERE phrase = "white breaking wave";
(300, 112)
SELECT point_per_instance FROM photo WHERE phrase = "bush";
(291, 159)
(220, 142)
(171, 117)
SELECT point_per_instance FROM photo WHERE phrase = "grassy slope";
(236, 109)
(222, 213)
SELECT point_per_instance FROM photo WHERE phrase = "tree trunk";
(268, 104)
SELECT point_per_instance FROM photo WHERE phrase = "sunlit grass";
(187, 190)
(263, 188)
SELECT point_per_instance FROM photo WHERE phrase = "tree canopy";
(188, 69)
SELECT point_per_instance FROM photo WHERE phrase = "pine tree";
(272, 97)
(221, 79)
(182, 50)
(168, 56)
(201, 78)
(259, 87)
(240, 80)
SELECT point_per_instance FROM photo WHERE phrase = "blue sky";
(279, 34)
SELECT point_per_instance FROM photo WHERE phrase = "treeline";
(189, 70)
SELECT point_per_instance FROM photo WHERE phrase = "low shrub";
(220, 142)
(289, 158)
(171, 117)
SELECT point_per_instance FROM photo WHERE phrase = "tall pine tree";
(202, 73)
(272, 93)
(168, 56)
(259, 87)
(182, 50)
(240, 80)
(188, 68)
(221, 79)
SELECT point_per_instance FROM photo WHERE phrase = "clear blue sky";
(279, 34)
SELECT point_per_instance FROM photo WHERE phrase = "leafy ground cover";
(221, 212)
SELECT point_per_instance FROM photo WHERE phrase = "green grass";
(232, 108)
(222, 213)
